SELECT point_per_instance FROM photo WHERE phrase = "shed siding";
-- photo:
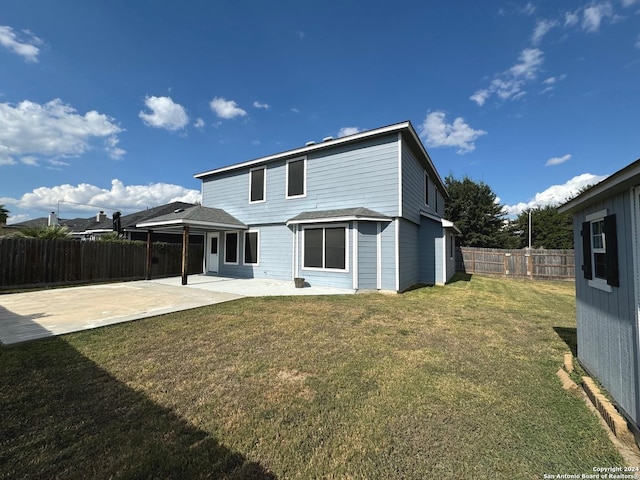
(388, 255)
(367, 251)
(345, 176)
(606, 322)
(450, 253)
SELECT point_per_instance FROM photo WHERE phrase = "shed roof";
(621, 180)
(196, 216)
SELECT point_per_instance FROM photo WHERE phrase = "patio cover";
(205, 219)
(338, 215)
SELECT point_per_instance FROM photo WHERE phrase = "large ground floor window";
(325, 247)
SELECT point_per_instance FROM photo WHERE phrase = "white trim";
(294, 253)
(349, 218)
(303, 150)
(396, 224)
(197, 223)
(304, 177)
(264, 184)
(379, 256)
(400, 192)
(355, 254)
(600, 284)
(224, 259)
(346, 248)
(444, 258)
(244, 249)
(596, 216)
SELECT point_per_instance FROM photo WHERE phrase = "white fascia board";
(195, 223)
(303, 150)
(339, 219)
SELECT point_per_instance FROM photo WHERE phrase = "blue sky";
(117, 104)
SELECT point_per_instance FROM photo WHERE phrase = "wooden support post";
(185, 254)
(149, 253)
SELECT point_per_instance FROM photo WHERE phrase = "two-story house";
(363, 212)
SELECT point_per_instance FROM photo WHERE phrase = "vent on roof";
(178, 210)
(326, 139)
(308, 144)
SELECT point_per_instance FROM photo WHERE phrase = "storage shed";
(606, 222)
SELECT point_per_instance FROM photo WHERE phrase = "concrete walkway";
(32, 315)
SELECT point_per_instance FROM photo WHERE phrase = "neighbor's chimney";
(101, 217)
(52, 221)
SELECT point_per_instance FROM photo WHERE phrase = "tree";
(549, 229)
(473, 207)
(4, 214)
(52, 232)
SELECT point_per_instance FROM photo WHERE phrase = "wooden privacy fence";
(28, 262)
(524, 263)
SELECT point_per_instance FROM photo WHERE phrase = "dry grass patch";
(457, 382)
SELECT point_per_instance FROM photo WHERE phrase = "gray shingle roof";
(196, 215)
(340, 213)
(131, 220)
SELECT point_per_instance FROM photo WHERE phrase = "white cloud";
(121, 197)
(556, 194)
(438, 133)
(345, 131)
(199, 123)
(24, 45)
(558, 160)
(571, 18)
(165, 113)
(510, 83)
(541, 29)
(628, 3)
(29, 160)
(295, 110)
(593, 15)
(226, 108)
(257, 104)
(52, 130)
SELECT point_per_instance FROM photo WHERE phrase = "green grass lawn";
(442, 382)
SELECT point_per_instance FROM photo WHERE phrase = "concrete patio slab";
(39, 314)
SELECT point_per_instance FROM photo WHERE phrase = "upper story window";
(426, 188)
(600, 251)
(257, 184)
(296, 177)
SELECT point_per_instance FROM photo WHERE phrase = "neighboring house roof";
(338, 215)
(621, 180)
(130, 221)
(77, 226)
(195, 216)
(403, 127)
(33, 223)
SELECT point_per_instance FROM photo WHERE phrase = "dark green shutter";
(611, 257)
(586, 250)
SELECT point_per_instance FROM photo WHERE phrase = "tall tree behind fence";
(29, 262)
(523, 263)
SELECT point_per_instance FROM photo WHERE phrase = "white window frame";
(237, 232)
(324, 227)
(304, 177)
(597, 282)
(264, 184)
(246, 233)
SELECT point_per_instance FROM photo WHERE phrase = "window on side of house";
(600, 251)
(296, 177)
(426, 188)
(257, 184)
(325, 248)
(251, 248)
(231, 248)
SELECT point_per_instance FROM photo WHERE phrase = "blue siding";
(450, 254)
(409, 254)
(367, 256)
(345, 176)
(388, 254)
(430, 233)
(413, 189)
(606, 322)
